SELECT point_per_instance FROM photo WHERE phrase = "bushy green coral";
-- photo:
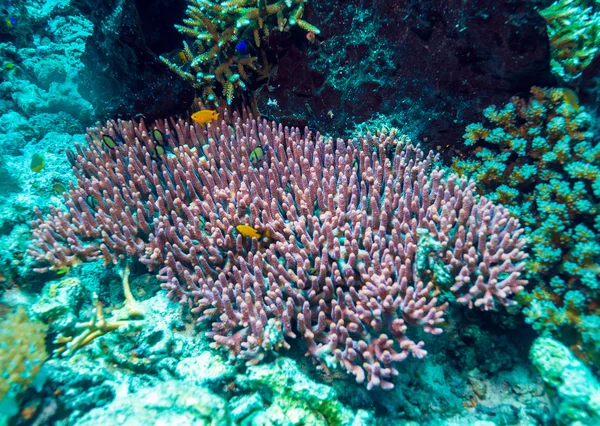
(574, 33)
(22, 352)
(217, 28)
(538, 158)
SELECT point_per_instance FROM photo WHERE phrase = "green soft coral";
(539, 159)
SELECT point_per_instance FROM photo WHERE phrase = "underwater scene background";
(283, 212)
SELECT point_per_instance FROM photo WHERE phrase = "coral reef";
(171, 402)
(574, 33)
(221, 52)
(129, 362)
(575, 392)
(348, 249)
(167, 357)
(344, 253)
(538, 158)
(123, 76)
(41, 107)
(43, 76)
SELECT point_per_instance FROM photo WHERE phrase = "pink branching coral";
(356, 239)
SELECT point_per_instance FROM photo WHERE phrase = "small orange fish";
(311, 37)
(248, 231)
(205, 116)
(182, 57)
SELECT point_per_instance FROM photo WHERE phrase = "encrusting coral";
(538, 158)
(22, 351)
(224, 33)
(574, 33)
(345, 244)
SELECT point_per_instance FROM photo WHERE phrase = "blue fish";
(242, 48)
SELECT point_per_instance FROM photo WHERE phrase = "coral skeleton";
(98, 325)
(355, 242)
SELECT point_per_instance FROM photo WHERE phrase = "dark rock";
(123, 76)
(430, 67)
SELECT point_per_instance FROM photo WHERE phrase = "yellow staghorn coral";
(215, 57)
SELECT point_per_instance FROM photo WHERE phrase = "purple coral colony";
(282, 231)
(343, 259)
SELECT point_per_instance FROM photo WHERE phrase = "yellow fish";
(205, 116)
(158, 151)
(256, 155)
(108, 142)
(58, 188)
(571, 98)
(63, 271)
(248, 231)
(37, 163)
(158, 136)
(92, 201)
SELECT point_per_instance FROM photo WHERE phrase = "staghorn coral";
(22, 352)
(574, 33)
(218, 28)
(537, 158)
(357, 238)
